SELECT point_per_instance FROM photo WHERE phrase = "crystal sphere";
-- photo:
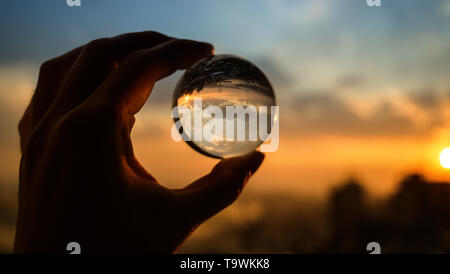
(233, 86)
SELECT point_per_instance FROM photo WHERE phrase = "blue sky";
(35, 29)
(301, 39)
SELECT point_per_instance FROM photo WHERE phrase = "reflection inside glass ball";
(223, 106)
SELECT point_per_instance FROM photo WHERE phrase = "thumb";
(210, 194)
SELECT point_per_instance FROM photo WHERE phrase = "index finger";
(130, 85)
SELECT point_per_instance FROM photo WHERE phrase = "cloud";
(278, 77)
(444, 8)
(397, 113)
(430, 97)
(302, 12)
(350, 81)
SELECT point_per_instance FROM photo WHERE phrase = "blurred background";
(364, 96)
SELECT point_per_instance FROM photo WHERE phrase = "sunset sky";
(363, 92)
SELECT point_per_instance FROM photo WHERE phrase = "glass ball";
(233, 86)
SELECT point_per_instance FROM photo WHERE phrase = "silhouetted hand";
(79, 178)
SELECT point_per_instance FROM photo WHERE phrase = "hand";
(79, 178)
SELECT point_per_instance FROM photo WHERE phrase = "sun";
(445, 158)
